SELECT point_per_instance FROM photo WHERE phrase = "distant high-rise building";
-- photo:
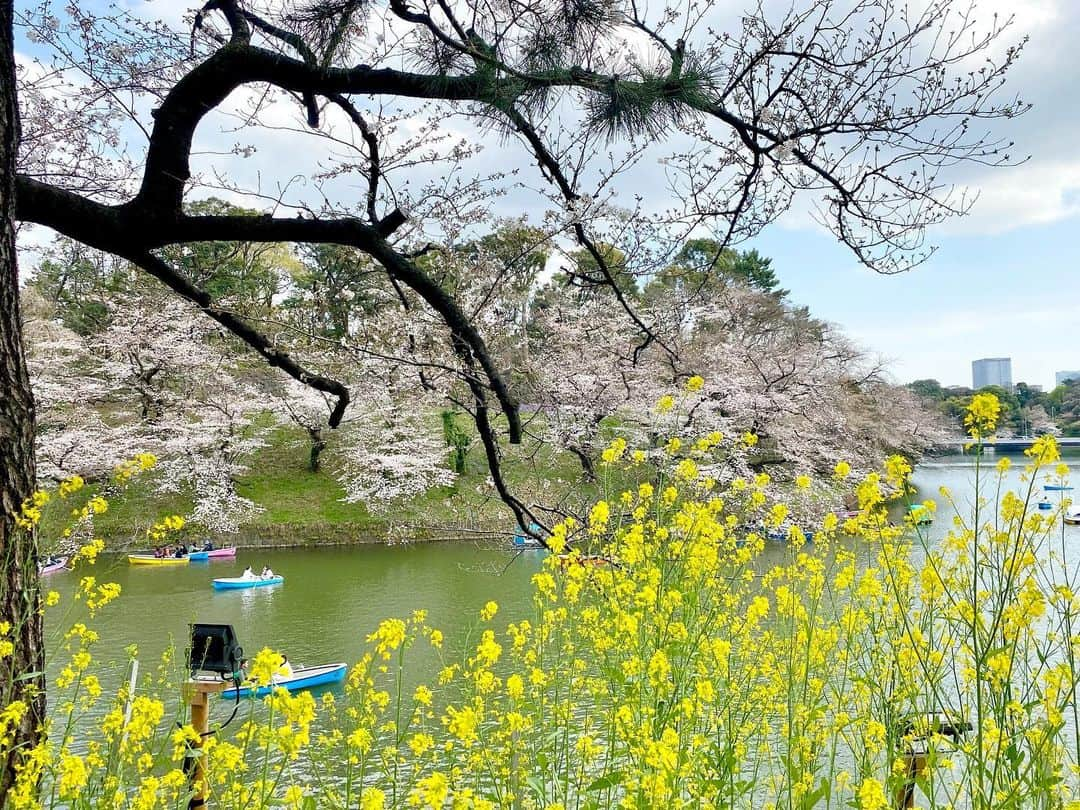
(991, 371)
(1062, 376)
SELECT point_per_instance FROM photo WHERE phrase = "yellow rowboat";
(150, 559)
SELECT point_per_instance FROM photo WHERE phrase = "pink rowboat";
(57, 564)
(229, 551)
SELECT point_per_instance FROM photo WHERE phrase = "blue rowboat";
(784, 534)
(523, 540)
(1057, 488)
(302, 678)
(234, 583)
(1045, 505)
(526, 541)
(920, 515)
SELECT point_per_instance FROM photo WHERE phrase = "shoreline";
(320, 535)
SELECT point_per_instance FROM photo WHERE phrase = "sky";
(1003, 281)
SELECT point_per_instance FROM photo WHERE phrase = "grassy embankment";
(300, 507)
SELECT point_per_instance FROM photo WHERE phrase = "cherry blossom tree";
(391, 452)
(171, 386)
(306, 409)
(809, 396)
(584, 371)
(70, 389)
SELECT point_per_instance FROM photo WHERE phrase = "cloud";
(1042, 191)
(1027, 15)
(1039, 192)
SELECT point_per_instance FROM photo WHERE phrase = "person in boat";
(208, 545)
(180, 551)
(283, 672)
(248, 573)
(159, 552)
(266, 573)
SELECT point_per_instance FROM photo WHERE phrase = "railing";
(1015, 442)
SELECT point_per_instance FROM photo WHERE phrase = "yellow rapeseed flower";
(371, 798)
(70, 486)
(981, 415)
(73, 775)
(265, 666)
(389, 636)
(872, 795)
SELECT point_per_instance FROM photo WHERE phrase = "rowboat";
(235, 583)
(523, 539)
(920, 515)
(213, 554)
(1057, 488)
(52, 564)
(782, 534)
(1072, 517)
(150, 559)
(526, 541)
(777, 534)
(301, 678)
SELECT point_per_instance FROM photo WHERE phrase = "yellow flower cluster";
(160, 530)
(94, 595)
(674, 658)
(127, 470)
(30, 513)
(982, 415)
(614, 451)
(265, 667)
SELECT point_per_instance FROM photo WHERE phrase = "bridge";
(1014, 442)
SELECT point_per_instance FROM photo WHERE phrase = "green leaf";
(606, 781)
(811, 799)
(535, 785)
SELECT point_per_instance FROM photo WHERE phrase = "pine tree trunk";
(19, 593)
